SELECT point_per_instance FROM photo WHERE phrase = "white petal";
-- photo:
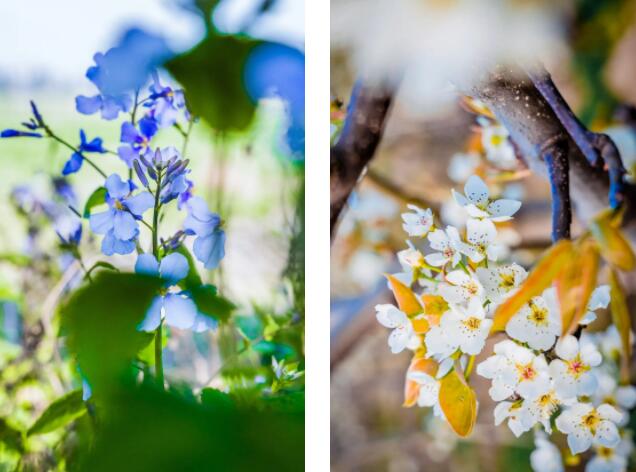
(438, 239)
(501, 412)
(398, 339)
(459, 198)
(579, 440)
(607, 434)
(626, 396)
(600, 298)
(476, 190)
(503, 208)
(567, 347)
(435, 259)
(390, 316)
(608, 412)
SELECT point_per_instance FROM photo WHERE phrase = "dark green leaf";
(97, 198)
(11, 437)
(216, 398)
(212, 75)
(101, 320)
(59, 413)
(103, 265)
(211, 304)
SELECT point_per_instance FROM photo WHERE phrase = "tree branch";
(362, 131)
(556, 158)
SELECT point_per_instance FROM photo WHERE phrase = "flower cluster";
(539, 377)
(135, 201)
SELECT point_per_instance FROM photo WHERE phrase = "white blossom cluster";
(538, 377)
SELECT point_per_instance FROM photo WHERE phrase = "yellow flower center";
(605, 452)
(548, 403)
(591, 421)
(118, 205)
(448, 253)
(507, 280)
(538, 315)
(471, 287)
(473, 323)
(496, 140)
(576, 367)
(526, 372)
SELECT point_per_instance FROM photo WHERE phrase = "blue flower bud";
(14, 133)
(140, 173)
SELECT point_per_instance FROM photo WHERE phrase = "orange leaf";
(406, 299)
(622, 321)
(614, 247)
(544, 272)
(589, 263)
(434, 307)
(411, 387)
(458, 402)
(567, 283)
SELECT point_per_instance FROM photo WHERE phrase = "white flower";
(545, 405)
(610, 342)
(501, 281)
(412, 262)
(478, 204)
(599, 298)
(499, 150)
(462, 165)
(519, 419)
(623, 397)
(391, 317)
(460, 287)
(585, 424)
(418, 223)
(572, 372)
(514, 368)
(607, 459)
(546, 457)
(429, 388)
(480, 241)
(447, 243)
(537, 324)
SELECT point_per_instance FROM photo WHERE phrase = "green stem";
(74, 149)
(186, 138)
(155, 251)
(469, 367)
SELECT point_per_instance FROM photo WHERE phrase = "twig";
(556, 159)
(357, 144)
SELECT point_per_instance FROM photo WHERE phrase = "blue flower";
(165, 103)
(68, 228)
(65, 190)
(276, 70)
(119, 222)
(209, 245)
(126, 67)
(14, 133)
(137, 142)
(178, 309)
(109, 105)
(77, 159)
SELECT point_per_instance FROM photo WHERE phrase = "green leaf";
(211, 304)
(193, 279)
(59, 413)
(10, 436)
(97, 198)
(216, 398)
(212, 75)
(101, 320)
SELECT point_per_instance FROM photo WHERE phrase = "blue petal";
(129, 133)
(124, 225)
(180, 311)
(73, 164)
(139, 203)
(200, 220)
(148, 127)
(88, 105)
(116, 187)
(87, 392)
(112, 245)
(102, 223)
(203, 323)
(153, 316)
(110, 108)
(210, 249)
(127, 154)
(147, 264)
(174, 267)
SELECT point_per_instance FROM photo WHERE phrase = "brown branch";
(357, 144)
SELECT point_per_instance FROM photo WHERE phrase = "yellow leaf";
(458, 402)
(622, 321)
(567, 283)
(589, 263)
(544, 272)
(434, 307)
(614, 247)
(412, 388)
(406, 299)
